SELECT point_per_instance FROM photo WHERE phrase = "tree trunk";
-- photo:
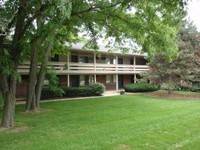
(8, 82)
(8, 92)
(41, 76)
(30, 102)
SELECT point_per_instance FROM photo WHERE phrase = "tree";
(19, 16)
(145, 24)
(183, 70)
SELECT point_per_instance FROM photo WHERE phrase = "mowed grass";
(107, 123)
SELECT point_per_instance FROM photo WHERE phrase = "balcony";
(63, 68)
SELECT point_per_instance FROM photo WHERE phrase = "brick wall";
(102, 79)
(62, 80)
(127, 79)
(21, 88)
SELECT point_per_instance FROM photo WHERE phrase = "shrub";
(195, 87)
(92, 90)
(140, 87)
(78, 91)
(98, 88)
(48, 93)
(68, 92)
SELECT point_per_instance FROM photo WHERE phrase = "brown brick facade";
(127, 79)
(102, 79)
(62, 80)
(21, 88)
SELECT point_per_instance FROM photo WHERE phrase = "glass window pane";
(81, 59)
(91, 79)
(82, 80)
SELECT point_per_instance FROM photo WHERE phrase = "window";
(91, 79)
(110, 79)
(91, 60)
(81, 59)
(86, 80)
(55, 58)
(109, 60)
(86, 59)
(74, 58)
(82, 80)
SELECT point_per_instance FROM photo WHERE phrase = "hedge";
(93, 90)
(47, 93)
(140, 87)
(78, 91)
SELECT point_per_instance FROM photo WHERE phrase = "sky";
(194, 12)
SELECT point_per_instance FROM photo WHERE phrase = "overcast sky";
(194, 12)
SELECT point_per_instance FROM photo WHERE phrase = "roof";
(104, 49)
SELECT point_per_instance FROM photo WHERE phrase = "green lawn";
(113, 123)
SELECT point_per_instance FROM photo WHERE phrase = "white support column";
(68, 61)
(95, 78)
(117, 84)
(134, 62)
(116, 65)
(68, 80)
(135, 78)
(95, 61)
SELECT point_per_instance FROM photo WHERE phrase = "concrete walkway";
(105, 94)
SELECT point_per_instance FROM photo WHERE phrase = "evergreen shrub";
(98, 88)
(140, 87)
(92, 90)
(195, 87)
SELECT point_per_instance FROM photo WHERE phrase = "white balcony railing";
(88, 68)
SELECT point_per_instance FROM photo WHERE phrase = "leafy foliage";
(98, 88)
(69, 92)
(78, 91)
(7, 65)
(53, 82)
(195, 87)
(140, 87)
(182, 71)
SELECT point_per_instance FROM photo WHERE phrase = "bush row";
(94, 89)
(140, 87)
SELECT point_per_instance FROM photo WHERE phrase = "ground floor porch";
(112, 82)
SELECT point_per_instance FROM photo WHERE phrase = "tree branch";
(95, 8)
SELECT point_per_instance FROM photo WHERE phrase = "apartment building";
(83, 67)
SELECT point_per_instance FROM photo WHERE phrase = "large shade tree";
(151, 24)
(183, 71)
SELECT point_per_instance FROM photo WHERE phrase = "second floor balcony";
(90, 64)
(88, 68)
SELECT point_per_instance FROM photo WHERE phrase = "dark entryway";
(131, 62)
(120, 81)
(120, 60)
(74, 79)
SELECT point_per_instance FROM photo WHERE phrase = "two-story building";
(83, 67)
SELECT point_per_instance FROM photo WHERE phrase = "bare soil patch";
(15, 129)
(174, 95)
(20, 129)
(36, 111)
